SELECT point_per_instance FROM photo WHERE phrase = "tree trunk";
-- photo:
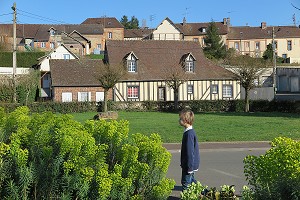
(105, 100)
(246, 100)
(176, 99)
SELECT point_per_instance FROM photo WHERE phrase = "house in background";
(147, 60)
(253, 41)
(82, 39)
(60, 53)
(76, 80)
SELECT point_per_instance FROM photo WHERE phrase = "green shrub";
(276, 174)
(49, 156)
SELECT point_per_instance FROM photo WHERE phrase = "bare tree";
(108, 76)
(248, 69)
(29, 82)
(174, 77)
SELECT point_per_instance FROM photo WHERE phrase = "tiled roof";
(247, 32)
(137, 33)
(41, 31)
(74, 72)
(156, 55)
(107, 22)
(193, 29)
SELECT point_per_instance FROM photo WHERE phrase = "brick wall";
(57, 92)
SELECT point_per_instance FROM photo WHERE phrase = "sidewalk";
(222, 145)
(216, 147)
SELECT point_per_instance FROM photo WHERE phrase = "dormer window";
(203, 30)
(52, 32)
(188, 62)
(131, 60)
(131, 65)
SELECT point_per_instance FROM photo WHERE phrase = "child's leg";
(187, 179)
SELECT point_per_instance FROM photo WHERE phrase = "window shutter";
(90, 96)
(78, 96)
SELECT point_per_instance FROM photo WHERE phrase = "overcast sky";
(151, 13)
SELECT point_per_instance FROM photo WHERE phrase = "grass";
(214, 127)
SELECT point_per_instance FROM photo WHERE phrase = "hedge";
(196, 106)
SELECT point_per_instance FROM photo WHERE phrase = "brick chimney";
(263, 25)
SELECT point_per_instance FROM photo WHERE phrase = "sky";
(152, 13)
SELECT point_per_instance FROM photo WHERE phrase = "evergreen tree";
(214, 46)
(268, 54)
(124, 21)
(132, 24)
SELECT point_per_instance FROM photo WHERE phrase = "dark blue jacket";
(190, 155)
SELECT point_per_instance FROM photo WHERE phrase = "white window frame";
(99, 96)
(66, 97)
(214, 89)
(66, 56)
(133, 95)
(84, 96)
(189, 66)
(289, 45)
(257, 45)
(109, 35)
(227, 91)
(52, 32)
(190, 89)
(43, 44)
(237, 45)
(52, 45)
(99, 46)
(131, 65)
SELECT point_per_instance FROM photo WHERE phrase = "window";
(190, 89)
(99, 96)
(66, 56)
(66, 97)
(247, 44)
(52, 45)
(203, 30)
(98, 46)
(133, 92)
(276, 45)
(189, 66)
(161, 93)
(257, 45)
(289, 45)
(237, 46)
(52, 32)
(43, 44)
(110, 35)
(196, 39)
(131, 65)
(227, 90)
(84, 96)
(214, 89)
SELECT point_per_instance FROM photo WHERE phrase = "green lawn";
(212, 126)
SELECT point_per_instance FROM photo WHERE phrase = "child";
(190, 155)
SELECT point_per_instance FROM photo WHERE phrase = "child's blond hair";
(187, 116)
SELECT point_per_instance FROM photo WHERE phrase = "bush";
(276, 174)
(48, 156)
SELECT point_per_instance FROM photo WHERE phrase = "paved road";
(221, 163)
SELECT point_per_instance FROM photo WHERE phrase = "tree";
(108, 77)
(268, 54)
(174, 77)
(124, 21)
(248, 69)
(27, 85)
(132, 24)
(214, 46)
